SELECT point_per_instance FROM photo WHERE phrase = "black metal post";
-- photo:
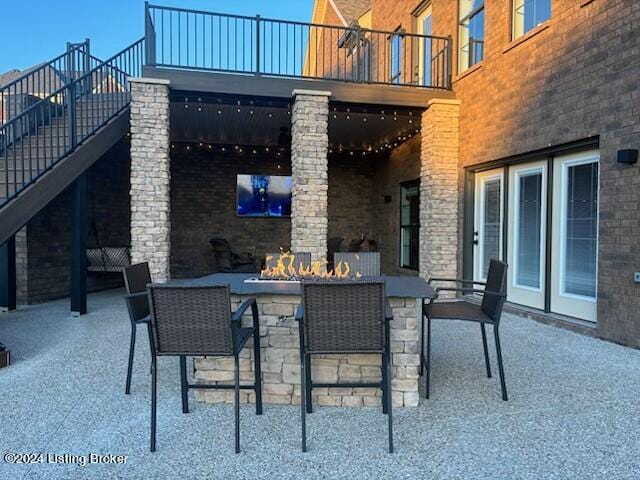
(257, 44)
(79, 246)
(8, 275)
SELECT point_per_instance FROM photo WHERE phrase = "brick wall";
(352, 198)
(402, 165)
(575, 78)
(43, 245)
(203, 205)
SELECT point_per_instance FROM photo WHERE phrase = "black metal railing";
(35, 139)
(200, 40)
(38, 83)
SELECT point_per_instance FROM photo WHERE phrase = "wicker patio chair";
(344, 317)
(488, 312)
(190, 320)
(136, 278)
(365, 263)
(303, 258)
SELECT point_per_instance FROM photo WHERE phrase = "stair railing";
(34, 140)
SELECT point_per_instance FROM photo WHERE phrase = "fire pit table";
(277, 301)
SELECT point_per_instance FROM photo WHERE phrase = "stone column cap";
(316, 93)
(444, 101)
(153, 81)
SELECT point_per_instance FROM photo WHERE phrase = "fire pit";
(284, 270)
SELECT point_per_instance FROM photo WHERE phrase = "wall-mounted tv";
(263, 196)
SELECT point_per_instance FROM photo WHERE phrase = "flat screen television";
(263, 196)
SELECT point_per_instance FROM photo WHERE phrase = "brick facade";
(43, 245)
(208, 180)
(150, 176)
(569, 79)
(309, 169)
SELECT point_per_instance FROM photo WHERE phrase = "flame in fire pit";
(283, 268)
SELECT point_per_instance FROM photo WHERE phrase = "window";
(425, 55)
(470, 33)
(409, 224)
(395, 47)
(528, 14)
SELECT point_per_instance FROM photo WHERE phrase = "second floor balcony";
(214, 42)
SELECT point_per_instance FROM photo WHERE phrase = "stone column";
(309, 168)
(150, 175)
(439, 189)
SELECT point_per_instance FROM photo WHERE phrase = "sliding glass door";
(489, 212)
(575, 236)
(526, 234)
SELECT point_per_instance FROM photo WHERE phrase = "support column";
(79, 246)
(8, 275)
(439, 190)
(309, 168)
(150, 176)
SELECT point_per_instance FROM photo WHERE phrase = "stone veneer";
(439, 190)
(309, 169)
(150, 176)
(281, 361)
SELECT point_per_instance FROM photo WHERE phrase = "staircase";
(46, 143)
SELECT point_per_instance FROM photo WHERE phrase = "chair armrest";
(131, 296)
(469, 290)
(456, 280)
(237, 315)
(388, 312)
(299, 313)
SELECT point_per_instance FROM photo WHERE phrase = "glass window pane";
(581, 232)
(427, 59)
(492, 225)
(410, 225)
(529, 230)
(471, 33)
(528, 14)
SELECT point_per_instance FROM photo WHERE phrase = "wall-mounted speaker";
(629, 156)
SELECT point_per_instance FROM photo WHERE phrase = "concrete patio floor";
(572, 413)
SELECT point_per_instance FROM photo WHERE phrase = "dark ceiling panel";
(230, 123)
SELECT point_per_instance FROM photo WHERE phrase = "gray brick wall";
(203, 205)
(43, 245)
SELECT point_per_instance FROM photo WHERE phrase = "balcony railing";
(199, 40)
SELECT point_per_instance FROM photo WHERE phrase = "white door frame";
(562, 302)
(524, 294)
(481, 180)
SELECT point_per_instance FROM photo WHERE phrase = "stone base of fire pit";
(281, 362)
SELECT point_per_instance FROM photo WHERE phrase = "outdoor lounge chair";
(488, 311)
(191, 320)
(229, 261)
(365, 263)
(343, 317)
(136, 279)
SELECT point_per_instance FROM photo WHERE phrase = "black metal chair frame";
(132, 299)
(238, 344)
(307, 384)
(425, 358)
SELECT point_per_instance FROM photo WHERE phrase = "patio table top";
(395, 285)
